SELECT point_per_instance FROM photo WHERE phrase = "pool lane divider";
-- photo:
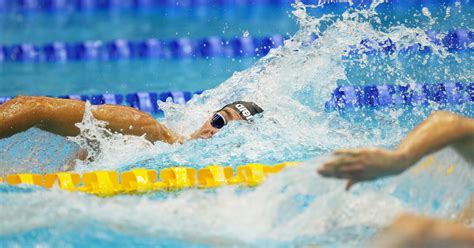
(89, 5)
(453, 41)
(150, 48)
(343, 97)
(214, 46)
(144, 101)
(398, 96)
(109, 183)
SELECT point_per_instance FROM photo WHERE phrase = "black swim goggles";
(218, 121)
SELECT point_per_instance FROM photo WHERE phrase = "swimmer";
(439, 130)
(415, 231)
(59, 116)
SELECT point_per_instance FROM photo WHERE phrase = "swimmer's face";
(207, 130)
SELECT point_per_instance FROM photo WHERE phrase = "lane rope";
(395, 96)
(89, 5)
(109, 183)
(144, 101)
(343, 97)
(150, 48)
(214, 46)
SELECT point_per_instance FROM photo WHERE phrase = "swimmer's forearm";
(168, 135)
(439, 130)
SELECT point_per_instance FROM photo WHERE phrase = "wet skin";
(207, 130)
(59, 116)
(415, 231)
(439, 130)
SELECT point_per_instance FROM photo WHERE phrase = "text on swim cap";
(244, 111)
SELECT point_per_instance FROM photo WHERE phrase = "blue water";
(133, 75)
(170, 23)
(162, 23)
(117, 76)
(294, 208)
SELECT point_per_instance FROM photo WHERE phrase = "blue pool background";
(41, 27)
(195, 74)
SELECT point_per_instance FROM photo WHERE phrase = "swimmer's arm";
(416, 231)
(439, 130)
(59, 116)
(130, 121)
(467, 213)
(70, 163)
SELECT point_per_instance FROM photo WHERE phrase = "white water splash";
(103, 146)
(292, 84)
(297, 206)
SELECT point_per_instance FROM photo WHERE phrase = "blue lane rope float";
(453, 41)
(87, 5)
(348, 96)
(144, 101)
(343, 97)
(213, 46)
(150, 48)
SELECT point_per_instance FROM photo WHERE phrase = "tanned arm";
(417, 231)
(59, 116)
(437, 131)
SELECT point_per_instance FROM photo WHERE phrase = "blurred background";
(54, 47)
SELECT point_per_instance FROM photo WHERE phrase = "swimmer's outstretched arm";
(437, 131)
(59, 116)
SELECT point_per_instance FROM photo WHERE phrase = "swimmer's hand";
(363, 164)
(71, 161)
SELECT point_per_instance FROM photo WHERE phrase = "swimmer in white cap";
(59, 116)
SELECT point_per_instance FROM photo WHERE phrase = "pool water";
(132, 75)
(162, 23)
(292, 83)
(117, 76)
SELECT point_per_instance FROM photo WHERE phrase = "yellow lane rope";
(108, 183)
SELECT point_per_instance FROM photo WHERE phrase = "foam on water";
(295, 206)
(292, 84)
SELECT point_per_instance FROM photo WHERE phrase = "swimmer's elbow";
(464, 126)
(461, 129)
(444, 116)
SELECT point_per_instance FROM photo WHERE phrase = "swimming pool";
(292, 84)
